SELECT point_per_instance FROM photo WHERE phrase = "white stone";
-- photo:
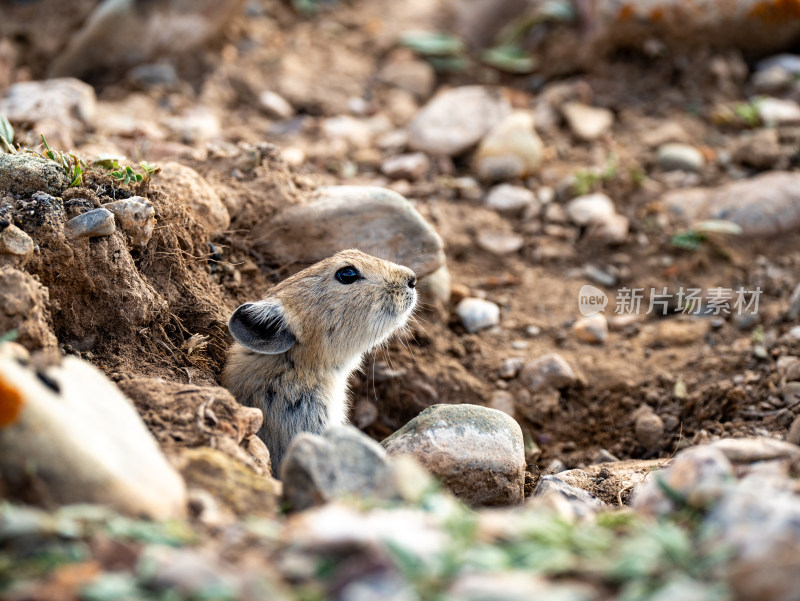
(13, 241)
(776, 111)
(591, 208)
(136, 216)
(587, 123)
(477, 314)
(506, 198)
(592, 329)
(500, 243)
(275, 105)
(510, 150)
(69, 102)
(85, 440)
(682, 157)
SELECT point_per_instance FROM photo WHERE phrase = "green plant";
(748, 112)
(704, 232)
(74, 167)
(585, 180)
(6, 136)
(127, 175)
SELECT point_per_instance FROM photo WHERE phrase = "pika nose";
(412, 281)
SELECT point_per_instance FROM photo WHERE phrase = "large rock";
(455, 120)
(342, 463)
(25, 174)
(763, 206)
(69, 102)
(478, 453)
(180, 181)
(374, 220)
(68, 435)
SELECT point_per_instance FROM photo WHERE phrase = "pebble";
(680, 157)
(773, 80)
(548, 371)
(760, 149)
(584, 503)
(24, 175)
(502, 400)
(664, 133)
(357, 132)
(763, 206)
(136, 216)
(510, 150)
(788, 62)
(376, 220)
(599, 276)
(590, 209)
(510, 367)
(13, 241)
(751, 450)
(414, 166)
(586, 122)
(794, 304)
(275, 105)
(776, 111)
(343, 462)
(477, 452)
(195, 126)
(180, 181)
(511, 200)
(649, 430)
(478, 314)
(97, 222)
(455, 120)
(500, 243)
(415, 76)
(98, 450)
(592, 329)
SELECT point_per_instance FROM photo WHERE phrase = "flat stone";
(500, 243)
(374, 220)
(97, 222)
(85, 438)
(510, 150)
(548, 371)
(751, 450)
(342, 463)
(411, 166)
(136, 216)
(590, 209)
(776, 111)
(681, 157)
(24, 175)
(13, 241)
(584, 503)
(478, 314)
(510, 199)
(478, 453)
(587, 123)
(763, 206)
(179, 181)
(455, 120)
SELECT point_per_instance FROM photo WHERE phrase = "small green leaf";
(432, 43)
(6, 135)
(107, 161)
(511, 59)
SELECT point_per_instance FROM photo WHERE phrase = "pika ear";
(261, 327)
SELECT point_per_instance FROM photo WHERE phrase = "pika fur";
(296, 348)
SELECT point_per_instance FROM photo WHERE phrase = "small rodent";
(296, 348)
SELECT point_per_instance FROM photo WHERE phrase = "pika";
(296, 348)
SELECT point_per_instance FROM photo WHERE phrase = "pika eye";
(348, 275)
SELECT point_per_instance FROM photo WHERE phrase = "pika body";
(296, 348)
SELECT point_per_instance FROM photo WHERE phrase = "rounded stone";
(592, 329)
(681, 157)
(97, 222)
(477, 314)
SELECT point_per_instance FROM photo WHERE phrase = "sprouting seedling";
(73, 167)
(6, 136)
(127, 174)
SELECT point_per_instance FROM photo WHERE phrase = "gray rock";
(788, 62)
(136, 216)
(478, 453)
(649, 429)
(760, 149)
(375, 220)
(510, 150)
(584, 503)
(500, 243)
(412, 166)
(511, 200)
(24, 175)
(699, 476)
(763, 206)
(587, 123)
(69, 102)
(776, 111)
(751, 450)
(681, 157)
(275, 105)
(415, 76)
(455, 120)
(13, 241)
(549, 371)
(85, 439)
(342, 463)
(593, 329)
(97, 222)
(477, 314)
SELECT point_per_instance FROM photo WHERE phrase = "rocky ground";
(646, 173)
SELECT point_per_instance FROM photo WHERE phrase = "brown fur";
(307, 336)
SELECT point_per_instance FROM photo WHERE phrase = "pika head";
(296, 348)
